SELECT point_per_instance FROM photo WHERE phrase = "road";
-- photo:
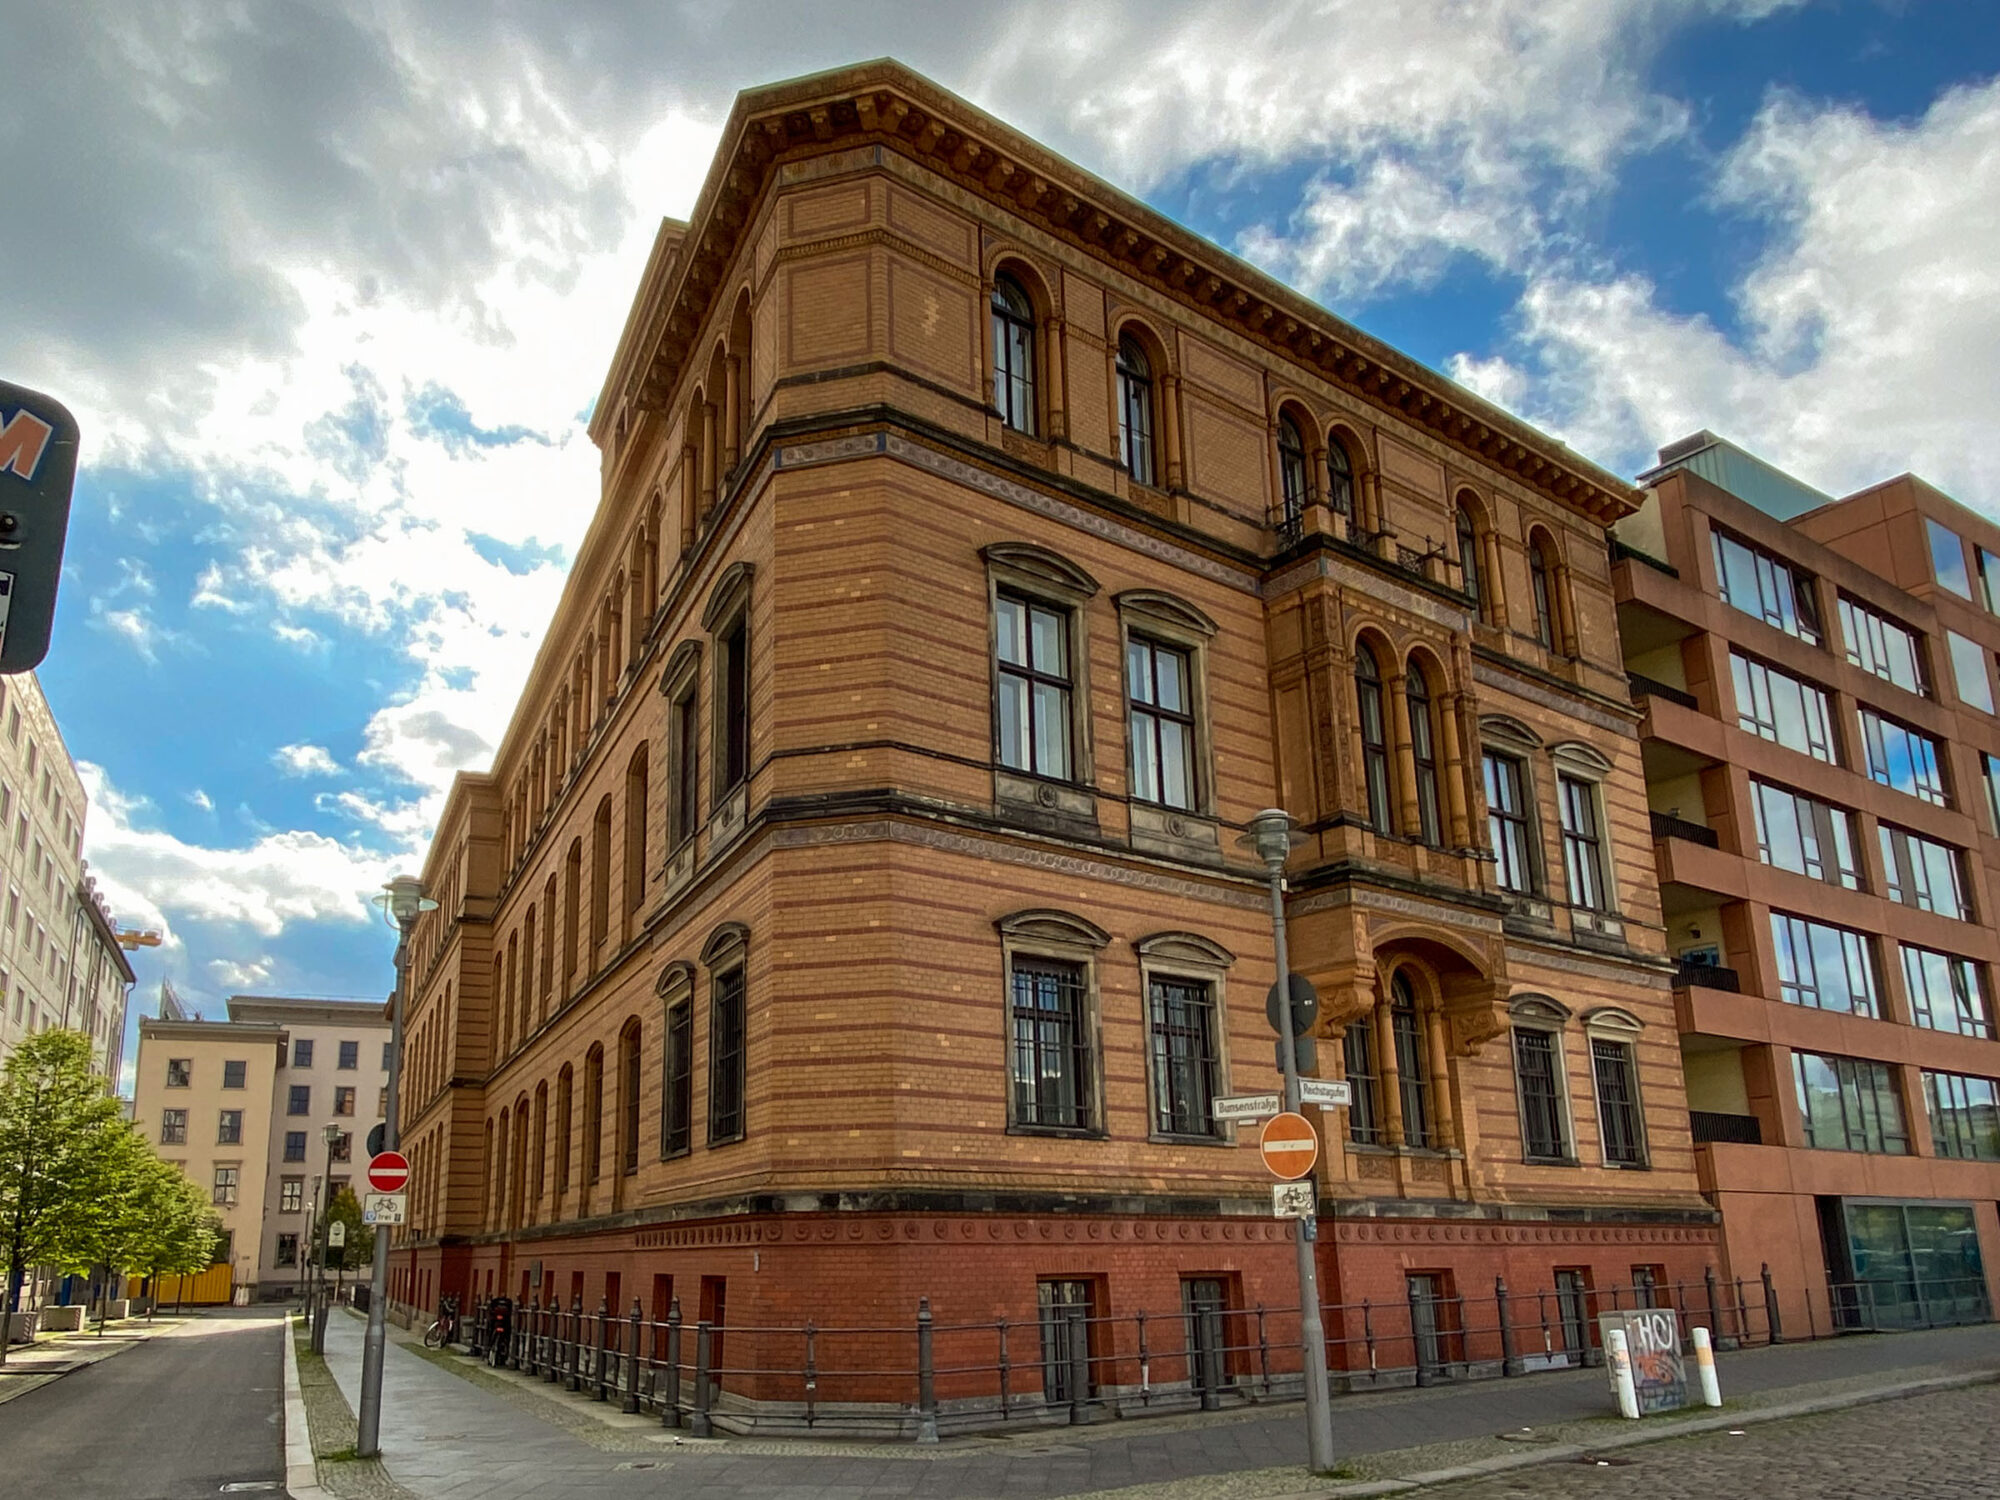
(1927, 1448)
(176, 1418)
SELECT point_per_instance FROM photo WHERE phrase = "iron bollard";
(575, 1381)
(812, 1371)
(1714, 1314)
(1264, 1351)
(1006, 1369)
(1079, 1369)
(699, 1424)
(1508, 1364)
(552, 1340)
(670, 1398)
(599, 1393)
(927, 1424)
(1146, 1364)
(1771, 1306)
(1742, 1316)
(1211, 1356)
(1424, 1376)
(631, 1406)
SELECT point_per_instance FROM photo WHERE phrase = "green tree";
(116, 1231)
(185, 1233)
(359, 1250)
(56, 1148)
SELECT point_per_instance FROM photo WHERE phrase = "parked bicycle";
(445, 1329)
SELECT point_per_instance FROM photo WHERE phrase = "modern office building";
(100, 985)
(854, 911)
(1822, 764)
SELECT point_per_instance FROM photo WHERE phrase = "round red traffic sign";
(1289, 1145)
(389, 1172)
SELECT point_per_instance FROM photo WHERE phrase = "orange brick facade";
(814, 523)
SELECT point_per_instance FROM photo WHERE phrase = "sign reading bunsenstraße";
(38, 440)
(1247, 1107)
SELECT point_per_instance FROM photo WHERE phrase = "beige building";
(333, 1072)
(203, 1096)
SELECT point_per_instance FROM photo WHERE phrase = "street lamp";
(316, 1316)
(1271, 836)
(402, 902)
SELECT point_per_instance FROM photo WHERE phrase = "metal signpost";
(38, 441)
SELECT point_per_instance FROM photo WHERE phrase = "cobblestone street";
(1941, 1445)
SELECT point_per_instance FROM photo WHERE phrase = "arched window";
(628, 1099)
(1468, 553)
(1339, 478)
(1135, 410)
(1014, 354)
(1412, 1076)
(1292, 472)
(1541, 582)
(1374, 739)
(1423, 746)
(593, 1116)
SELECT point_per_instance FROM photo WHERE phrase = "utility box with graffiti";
(1653, 1342)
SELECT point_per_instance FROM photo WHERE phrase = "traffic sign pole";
(368, 1421)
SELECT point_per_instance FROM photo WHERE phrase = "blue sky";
(330, 292)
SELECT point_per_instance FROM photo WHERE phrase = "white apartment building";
(100, 987)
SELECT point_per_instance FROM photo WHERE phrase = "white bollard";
(1704, 1359)
(1619, 1358)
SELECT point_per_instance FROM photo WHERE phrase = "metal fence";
(1074, 1364)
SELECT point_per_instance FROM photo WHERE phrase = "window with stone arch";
(1470, 533)
(1373, 721)
(1294, 487)
(1135, 411)
(1542, 585)
(1339, 476)
(1014, 353)
(1418, 697)
(1407, 1028)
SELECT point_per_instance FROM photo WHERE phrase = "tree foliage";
(359, 1250)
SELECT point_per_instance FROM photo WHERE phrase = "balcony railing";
(1667, 826)
(1651, 687)
(1741, 1130)
(1706, 976)
(1619, 551)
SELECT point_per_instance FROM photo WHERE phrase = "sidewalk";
(458, 1430)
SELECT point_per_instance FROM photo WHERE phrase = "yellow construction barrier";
(210, 1288)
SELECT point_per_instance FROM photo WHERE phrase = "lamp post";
(402, 901)
(1270, 835)
(322, 1205)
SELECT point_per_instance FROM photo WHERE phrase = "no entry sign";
(389, 1172)
(1289, 1145)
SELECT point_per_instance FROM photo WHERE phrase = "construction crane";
(130, 938)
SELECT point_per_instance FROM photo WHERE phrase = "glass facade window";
(1989, 579)
(1752, 580)
(1186, 1060)
(1825, 967)
(1620, 1126)
(1507, 828)
(1803, 835)
(1948, 558)
(1903, 758)
(1945, 992)
(1965, 1115)
(1875, 643)
(1161, 721)
(1989, 770)
(1583, 847)
(1923, 873)
(1051, 1045)
(1969, 672)
(1904, 1265)
(1034, 718)
(1538, 1074)
(1777, 706)
(1849, 1104)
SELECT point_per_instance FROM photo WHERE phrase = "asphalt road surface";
(176, 1418)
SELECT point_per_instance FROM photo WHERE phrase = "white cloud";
(201, 799)
(133, 625)
(240, 975)
(305, 760)
(1870, 329)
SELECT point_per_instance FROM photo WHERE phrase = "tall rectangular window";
(1923, 873)
(302, 1052)
(1945, 992)
(1903, 758)
(1822, 966)
(350, 1055)
(173, 1127)
(1849, 1104)
(1537, 1073)
(298, 1099)
(295, 1145)
(1989, 770)
(224, 1192)
(291, 1195)
(1620, 1126)
(1364, 1114)
(1989, 579)
(1803, 835)
(343, 1101)
(1947, 558)
(1507, 828)
(1162, 723)
(1969, 672)
(229, 1128)
(1752, 580)
(180, 1072)
(1965, 1115)
(1583, 849)
(677, 1111)
(288, 1250)
(1033, 723)
(1777, 706)
(1051, 1084)
(1186, 1059)
(726, 1058)
(1875, 643)
(683, 791)
(733, 682)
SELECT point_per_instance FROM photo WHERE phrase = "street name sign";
(1289, 1145)
(383, 1208)
(1247, 1107)
(37, 472)
(389, 1172)
(1327, 1093)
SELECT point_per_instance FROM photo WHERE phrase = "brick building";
(1823, 772)
(854, 911)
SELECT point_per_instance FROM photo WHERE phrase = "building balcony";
(1710, 1127)
(1691, 975)
(1667, 826)
(1651, 687)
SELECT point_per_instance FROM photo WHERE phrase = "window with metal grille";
(1162, 723)
(1052, 1072)
(1013, 354)
(677, 1110)
(1537, 1073)
(1619, 1126)
(1945, 992)
(1066, 1309)
(1364, 1114)
(1374, 736)
(1185, 1060)
(1412, 1068)
(1507, 826)
(1135, 410)
(1033, 723)
(1583, 849)
(1849, 1104)
(1423, 751)
(726, 1059)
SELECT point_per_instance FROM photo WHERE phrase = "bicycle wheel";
(434, 1336)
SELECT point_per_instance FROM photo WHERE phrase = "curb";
(1694, 1427)
(18, 1383)
(301, 1473)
